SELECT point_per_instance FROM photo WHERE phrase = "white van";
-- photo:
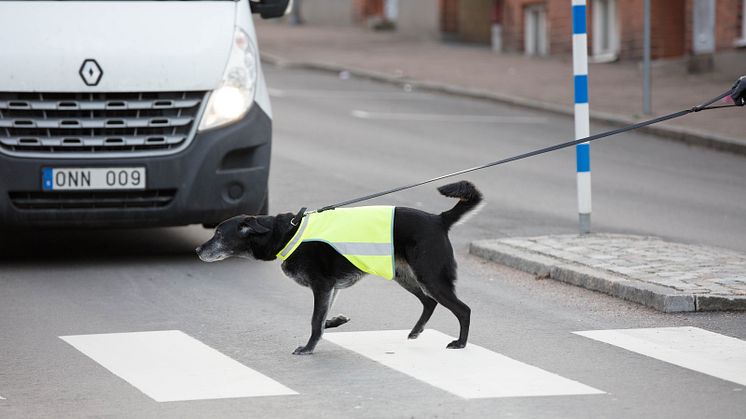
(132, 113)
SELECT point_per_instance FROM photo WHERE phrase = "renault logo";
(90, 72)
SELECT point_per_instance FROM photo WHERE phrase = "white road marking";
(423, 117)
(344, 94)
(697, 349)
(472, 372)
(172, 366)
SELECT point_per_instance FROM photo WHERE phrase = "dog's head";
(240, 236)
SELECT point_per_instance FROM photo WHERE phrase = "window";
(535, 30)
(605, 36)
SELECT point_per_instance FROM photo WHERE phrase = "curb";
(655, 296)
(685, 135)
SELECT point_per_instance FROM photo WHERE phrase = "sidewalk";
(545, 83)
(669, 277)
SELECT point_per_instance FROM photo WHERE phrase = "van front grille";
(91, 200)
(97, 124)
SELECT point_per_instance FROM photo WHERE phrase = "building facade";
(680, 28)
(615, 27)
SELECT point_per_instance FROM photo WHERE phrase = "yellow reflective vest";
(363, 235)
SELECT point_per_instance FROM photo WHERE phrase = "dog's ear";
(251, 225)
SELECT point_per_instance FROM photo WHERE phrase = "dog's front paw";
(302, 350)
(456, 345)
(414, 334)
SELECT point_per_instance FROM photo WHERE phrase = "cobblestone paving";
(698, 270)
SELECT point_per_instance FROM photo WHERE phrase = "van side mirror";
(269, 9)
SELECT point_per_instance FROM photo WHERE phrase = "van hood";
(138, 45)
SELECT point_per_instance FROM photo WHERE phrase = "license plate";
(98, 178)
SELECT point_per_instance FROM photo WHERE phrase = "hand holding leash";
(738, 93)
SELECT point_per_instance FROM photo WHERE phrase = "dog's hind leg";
(447, 297)
(406, 278)
(321, 299)
(428, 306)
(335, 321)
(437, 276)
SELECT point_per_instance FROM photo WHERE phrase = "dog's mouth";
(204, 258)
(207, 256)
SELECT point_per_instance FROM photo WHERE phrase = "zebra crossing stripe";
(173, 366)
(693, 348)
(472, 372)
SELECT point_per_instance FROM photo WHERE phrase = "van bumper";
(222, 173)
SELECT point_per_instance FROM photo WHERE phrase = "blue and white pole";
(582, 117)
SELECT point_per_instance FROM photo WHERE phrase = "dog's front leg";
(321, 299)
(337, 320)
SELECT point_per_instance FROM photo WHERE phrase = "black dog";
(425, 265)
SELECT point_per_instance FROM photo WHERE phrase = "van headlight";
(235, 95)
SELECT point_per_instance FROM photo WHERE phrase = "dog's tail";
(468, 195)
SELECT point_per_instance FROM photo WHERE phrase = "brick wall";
(449, 16)
(365, 8)
(727, 23)
(559, 27)
(667, 24)
(513, 24)
(559, 24)
(630, 25)
(475, 20)
(471, 21)
(671, 25)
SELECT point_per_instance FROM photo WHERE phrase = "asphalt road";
(336, 139)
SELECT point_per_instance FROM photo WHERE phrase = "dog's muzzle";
(210, 254)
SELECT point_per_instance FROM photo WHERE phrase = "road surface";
(74, 306)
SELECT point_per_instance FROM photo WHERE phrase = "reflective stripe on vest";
(363, 235)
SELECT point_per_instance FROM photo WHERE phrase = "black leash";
(737, 93)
